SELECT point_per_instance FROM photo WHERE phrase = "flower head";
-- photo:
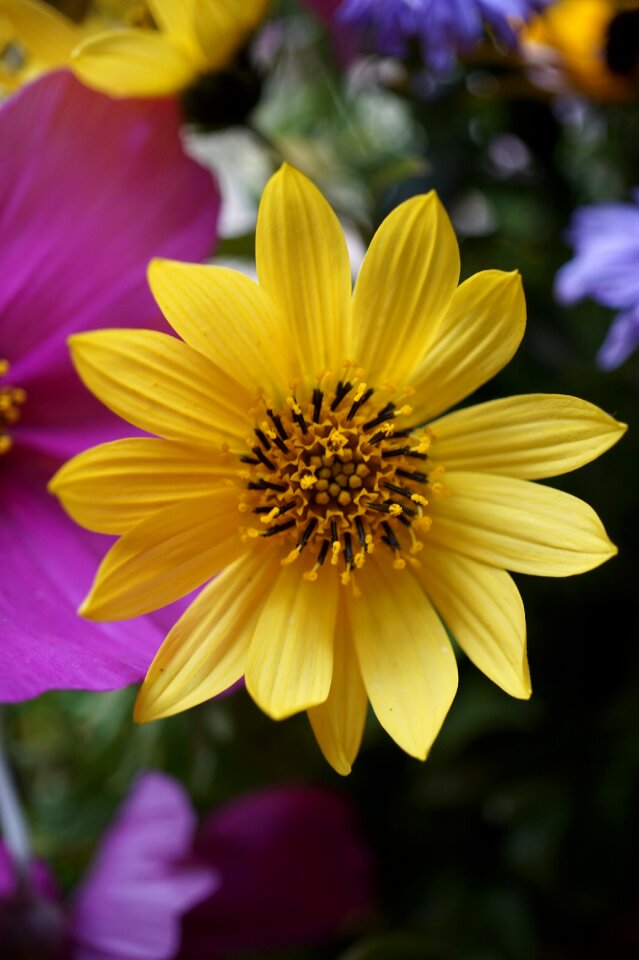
(275, 868)
(301, 466)
(591, 46)
(177, 42)
(606, 242)
(443, 28)
(80, 220)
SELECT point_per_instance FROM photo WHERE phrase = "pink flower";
(281, 867)
(90, 190)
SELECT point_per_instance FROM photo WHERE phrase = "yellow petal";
(161, 385)
(174, 16)
(46, 34)
(404, 288)
(223, 26)
(290, 659)
(112, 487)
(477, 337)
(165, 556)
(205, 652)
(407, 663)
(302, 262)
(338, 723)
(227, 317)
(482, 608)
(532, 436)
(134, 63)
(518, 525)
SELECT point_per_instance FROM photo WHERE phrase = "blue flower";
(443, 28)
(606, 267)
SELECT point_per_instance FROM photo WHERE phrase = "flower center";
(11, 402)
(339, 474)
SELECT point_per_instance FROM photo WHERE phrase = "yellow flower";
(175, 43)
(295, 468)
(587, 45)
(36, 37)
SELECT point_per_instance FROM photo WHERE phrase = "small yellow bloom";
(157, 48)
(305, 470)
(591, 46)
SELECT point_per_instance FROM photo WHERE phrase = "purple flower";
(130, 904)
(443, 28)
(606, 268)
(294, 869)
(280, 867)
(90, 190)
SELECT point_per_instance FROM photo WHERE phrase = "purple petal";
(295, 870)
(605, 265)
(40, 877)
(143, 879)
(92, 188)
(48, 565)
(621, 340)
(443, 27)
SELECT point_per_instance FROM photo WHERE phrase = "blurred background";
(517, 839)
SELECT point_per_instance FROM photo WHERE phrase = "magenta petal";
(91, 189)
(48, 565)
(143, 878)
(295, 870)
(40, 877)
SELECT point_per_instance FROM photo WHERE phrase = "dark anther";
(321, 556)
(285, 507)
(266, 485)
(400, 491)
(318, 396)
(397, 452)
(404, 520)
(334, 536)
(251, 460)
(416, 455)
(308, 532)
(259, 453)
(378, 437)
(386, 414)
(361, 532)
(279, 528)
(340, 392)
(384, 507)
(404, 433)
(390, 537)
(413, 475)
(348, 550)
(264, 440)
(280, 443)
(262, 509)
(358, 403)
(300, 421)
(279, 426)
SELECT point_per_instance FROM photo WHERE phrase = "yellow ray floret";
(293, 471)
(587, 46)
(133, 49)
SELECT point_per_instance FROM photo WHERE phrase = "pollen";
(12, 399)
(337, 475)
